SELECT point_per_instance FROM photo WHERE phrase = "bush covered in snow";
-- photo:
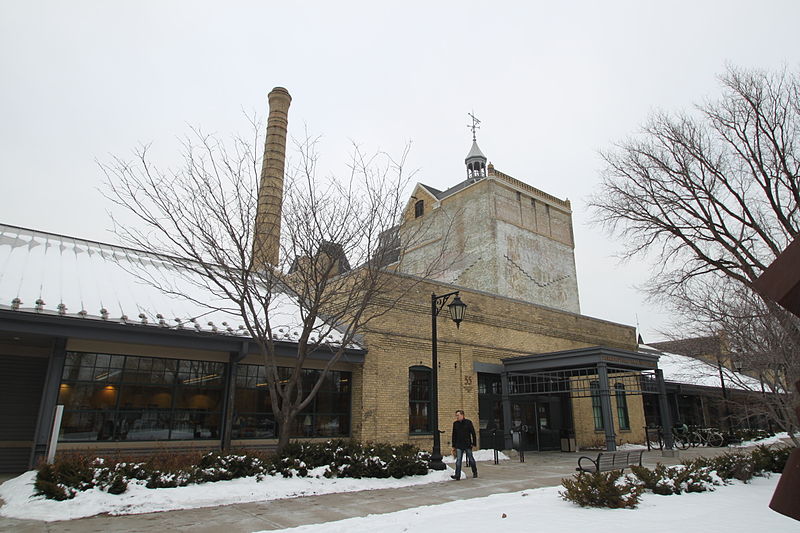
(751, 434)
(602, 489)
(695, 475)
(348, 458)
(73, 473)
(666, 480)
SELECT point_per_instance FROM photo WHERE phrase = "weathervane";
(475, 124)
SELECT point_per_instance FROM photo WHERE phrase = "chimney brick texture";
(266, 241)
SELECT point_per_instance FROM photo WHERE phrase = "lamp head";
(457, 309)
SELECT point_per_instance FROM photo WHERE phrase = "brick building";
(136, 369)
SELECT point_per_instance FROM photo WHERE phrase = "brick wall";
(494, 328)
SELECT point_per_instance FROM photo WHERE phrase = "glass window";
(419, 399)
(116, 397)
(597, 410)
(419, 208)
(327, 415)
(622, 406)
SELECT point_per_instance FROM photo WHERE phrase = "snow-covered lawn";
(731, 508)
(20, 502)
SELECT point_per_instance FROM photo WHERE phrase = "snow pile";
(775, 439)
(21, 503)
(632, 447)
(479, 455)
(736, 507)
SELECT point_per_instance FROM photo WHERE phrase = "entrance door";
(539, 420)
(490, 411)
(21, 384)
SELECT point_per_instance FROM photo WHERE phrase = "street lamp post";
(456, 309)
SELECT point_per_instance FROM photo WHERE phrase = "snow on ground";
(630, 447)
(20, 502)
(732, 508)
(479, 455)
(778, 438)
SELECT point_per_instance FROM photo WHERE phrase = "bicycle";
(680, 439)
(706, 436)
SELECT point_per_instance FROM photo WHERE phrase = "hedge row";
(616, 490)
(74, 473)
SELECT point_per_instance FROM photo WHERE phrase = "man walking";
(463, 439)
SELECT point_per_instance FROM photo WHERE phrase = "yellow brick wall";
(494, 328)
(585, 433)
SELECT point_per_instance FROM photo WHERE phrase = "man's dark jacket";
(463, 434)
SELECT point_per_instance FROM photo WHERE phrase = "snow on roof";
(54, 274)
(692, 371)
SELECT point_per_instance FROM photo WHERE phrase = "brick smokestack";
(266, 242)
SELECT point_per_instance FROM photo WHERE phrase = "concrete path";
(541, 469)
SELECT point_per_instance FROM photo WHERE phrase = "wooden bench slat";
(607, 461)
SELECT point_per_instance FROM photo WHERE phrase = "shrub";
(666, 480)
(657, 480)
(73, 473)
(118, 485)
(602, 489)
(770, 459)
(65, 478)
(751, 434)
(733, 466)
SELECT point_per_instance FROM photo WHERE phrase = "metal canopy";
(580, 382)
(586, 372)
(582, 357)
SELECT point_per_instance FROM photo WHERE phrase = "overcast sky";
(552, 82)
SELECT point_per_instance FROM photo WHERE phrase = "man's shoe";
(474, 474)
(454, 477)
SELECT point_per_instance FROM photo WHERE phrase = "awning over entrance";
(583, 373)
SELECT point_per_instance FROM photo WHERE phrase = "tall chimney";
(266, 241)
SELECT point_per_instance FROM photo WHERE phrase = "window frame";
(623, 415)
(413, 402)
(419, 208)
(597, 406)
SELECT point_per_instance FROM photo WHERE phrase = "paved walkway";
(541, 469)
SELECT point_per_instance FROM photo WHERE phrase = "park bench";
(607, 461)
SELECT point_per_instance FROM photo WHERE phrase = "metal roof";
(49, 274)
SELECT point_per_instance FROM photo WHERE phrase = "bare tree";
(754, 345)
(200, 217)
(714, 196)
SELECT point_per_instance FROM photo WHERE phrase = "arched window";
(622, 407)
(419, 208)
(419, 399)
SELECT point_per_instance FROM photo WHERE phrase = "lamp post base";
(435, 462)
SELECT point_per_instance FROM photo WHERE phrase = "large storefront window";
(124, 398)
(328, 414)
(117, 397)
(419, 399)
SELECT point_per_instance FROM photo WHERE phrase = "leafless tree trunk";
(714, 196)
(201, 217)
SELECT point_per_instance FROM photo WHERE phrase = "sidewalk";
(540, 469)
